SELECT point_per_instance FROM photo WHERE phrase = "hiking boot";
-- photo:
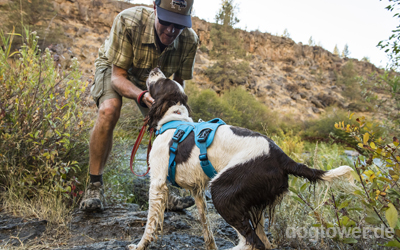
(93, 199)
(177, 203)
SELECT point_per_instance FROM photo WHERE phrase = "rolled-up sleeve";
(187, 66)
(120, 49)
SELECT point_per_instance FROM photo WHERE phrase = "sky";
(360, 24)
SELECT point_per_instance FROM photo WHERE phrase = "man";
(140, 39)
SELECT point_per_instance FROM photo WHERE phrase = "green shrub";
(236, 107)
(42, 127)
(371, 204)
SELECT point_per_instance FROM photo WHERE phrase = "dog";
(252, 171)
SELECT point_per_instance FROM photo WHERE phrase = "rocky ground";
(115, 228)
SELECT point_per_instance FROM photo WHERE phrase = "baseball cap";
(175, 11)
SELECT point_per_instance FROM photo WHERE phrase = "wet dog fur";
(252, 171)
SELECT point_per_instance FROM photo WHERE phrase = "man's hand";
(148, 100)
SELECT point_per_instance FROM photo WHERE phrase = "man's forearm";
(122, 85)
(126, 88)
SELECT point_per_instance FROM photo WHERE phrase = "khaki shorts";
(102, 90)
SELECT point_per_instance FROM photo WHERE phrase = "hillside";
(286, 76)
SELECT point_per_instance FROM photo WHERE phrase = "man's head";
(172, 16)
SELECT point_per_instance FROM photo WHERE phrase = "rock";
(240, 80)
(351, 153)
(200, 59)
(329, 100)
(316, 103)
(261, 93)
(306, 85)
(286, 102)
(357, 107)
(316, 110)
(14, 231)
(304, 95)
(295, 96)
(300, 78)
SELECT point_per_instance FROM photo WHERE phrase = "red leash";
(136, 147)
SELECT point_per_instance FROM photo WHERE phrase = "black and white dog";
(252, 171)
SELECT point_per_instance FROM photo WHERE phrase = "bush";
(236, 107)
(42, 128)
(371, 206)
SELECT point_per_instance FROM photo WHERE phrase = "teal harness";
(204, 135)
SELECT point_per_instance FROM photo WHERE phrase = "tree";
(336, 51)
(392, 45)
(227, 46)
(345, 52)
(286, 33)
(311, 41)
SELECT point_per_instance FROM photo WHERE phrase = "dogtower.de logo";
(180, 3)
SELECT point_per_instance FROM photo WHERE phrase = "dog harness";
(204, 135)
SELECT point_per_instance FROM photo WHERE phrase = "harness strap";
(206, 165)
(204, 136)
(172, 154)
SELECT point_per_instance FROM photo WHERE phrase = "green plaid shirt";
(132, 46)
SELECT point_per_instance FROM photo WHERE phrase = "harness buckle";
(173, 149)
(178, 135)
(203, 157)
(203, 135)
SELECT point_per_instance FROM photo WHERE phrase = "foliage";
(290, 143)
(393, 81)
(392, 44)
(42, 127)
(227, 45)
(345, 52)
(350, 82)
(378, 174)
(320, 129)
(236, 107)
(370, 205)
(311, 42)
(286, 33)
(336, 51)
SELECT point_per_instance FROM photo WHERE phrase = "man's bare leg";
(99, 149)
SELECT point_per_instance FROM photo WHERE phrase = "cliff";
(285, 76)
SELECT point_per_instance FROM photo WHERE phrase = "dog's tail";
(315, 175)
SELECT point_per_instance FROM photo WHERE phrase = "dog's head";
(166, 93)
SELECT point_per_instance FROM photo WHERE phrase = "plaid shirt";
(132, 46)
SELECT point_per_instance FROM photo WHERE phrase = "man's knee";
(109, 112)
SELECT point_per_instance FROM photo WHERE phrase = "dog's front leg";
(157, 200)
(207, 233)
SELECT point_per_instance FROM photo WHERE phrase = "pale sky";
(360, 24)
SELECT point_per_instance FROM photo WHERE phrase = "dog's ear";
(156, 88)
(162, 104)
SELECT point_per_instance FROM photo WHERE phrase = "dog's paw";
(131, 247)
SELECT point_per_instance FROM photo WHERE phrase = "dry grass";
(47, 206)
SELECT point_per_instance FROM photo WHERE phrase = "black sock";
(96, 178)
